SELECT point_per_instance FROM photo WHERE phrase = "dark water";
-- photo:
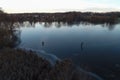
(94, 47)
(88, 41)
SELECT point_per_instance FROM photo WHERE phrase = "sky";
(20, 6)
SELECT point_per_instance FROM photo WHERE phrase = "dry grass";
(25, 65)
(21, 65)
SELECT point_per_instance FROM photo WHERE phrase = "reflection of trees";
(24, 24)
(47, 24)
(110, 26)
(10, 33)
(28, 24)
(9, 36)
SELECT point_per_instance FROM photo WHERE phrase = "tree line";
(110, 17)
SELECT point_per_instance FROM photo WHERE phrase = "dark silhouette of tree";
(1, 11)
(69, 17)
(9, 37)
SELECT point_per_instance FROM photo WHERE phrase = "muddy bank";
(25, 65)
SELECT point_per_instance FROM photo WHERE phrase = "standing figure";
(43, 43)
(82, 43)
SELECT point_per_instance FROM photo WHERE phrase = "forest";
(70, 17)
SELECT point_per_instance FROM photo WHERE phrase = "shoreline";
(54, 59)
(20, 64)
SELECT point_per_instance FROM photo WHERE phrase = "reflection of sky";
(88, 44)
(59, 5)
(70, 36)
(95, 45)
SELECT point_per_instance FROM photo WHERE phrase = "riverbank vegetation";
(16, 64)
(9, 36)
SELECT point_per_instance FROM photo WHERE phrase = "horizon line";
(64, 12)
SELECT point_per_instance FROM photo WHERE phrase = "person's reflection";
(43, 43)
(82, 46)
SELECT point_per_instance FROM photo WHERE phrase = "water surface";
(97, 46)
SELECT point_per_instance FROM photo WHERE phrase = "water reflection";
(48, 24)
(110, 26)
(82, 46)
(10, 33)
(43, 43)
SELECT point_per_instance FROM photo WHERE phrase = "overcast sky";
(59, 5)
